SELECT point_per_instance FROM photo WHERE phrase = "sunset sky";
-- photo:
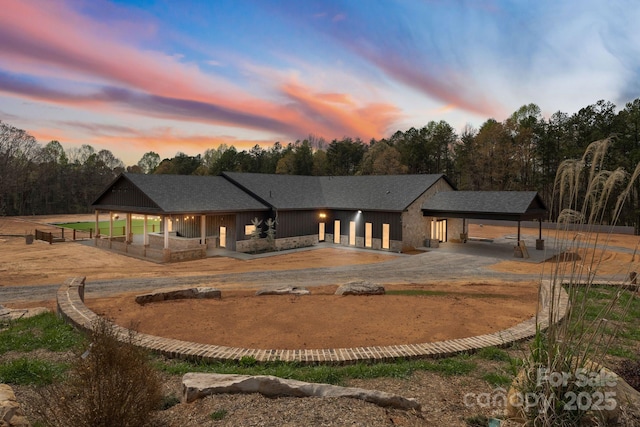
(171, 76)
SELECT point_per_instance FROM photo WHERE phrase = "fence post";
(90, 233)
(50, 238)
(74, 234)
(62, 232)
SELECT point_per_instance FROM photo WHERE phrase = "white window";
(368, 232)
(321, 232)
(336, 231)
(385, 236)
(352, 233)
(249, 229)
(223, 236)
(439, 230)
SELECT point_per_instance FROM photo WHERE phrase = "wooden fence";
(58, 235)
(50, 237)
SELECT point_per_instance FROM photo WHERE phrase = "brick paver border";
(71, 307)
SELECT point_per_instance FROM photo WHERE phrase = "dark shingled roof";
(514, 205)
(180, 194)
(370, 192)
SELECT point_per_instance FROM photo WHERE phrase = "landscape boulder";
(11, 414)
(289, 290)
(613, 385)
(360, 287)
(179, 293)
(198, 385)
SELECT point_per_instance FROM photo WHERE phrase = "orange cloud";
(99, 71)
(332, 118)
(133, 143)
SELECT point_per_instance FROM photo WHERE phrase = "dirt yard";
(317, 321)
(324, 320)
(454, 308)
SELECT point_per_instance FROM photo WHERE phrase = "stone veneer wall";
(415, 226)
(71, 307)
(175, 243)
(156, 253)
(394, 245)
(249, 246)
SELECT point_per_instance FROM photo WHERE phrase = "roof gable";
(123, 192)
(176, 194)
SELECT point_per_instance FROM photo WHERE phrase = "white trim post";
(145, 232)
(166, 231)
(203, 229)
(97, 230)
(110, 225)
(128, 234)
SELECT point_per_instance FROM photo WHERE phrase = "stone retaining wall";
(156, 254)
(282, 244)
(71, 307)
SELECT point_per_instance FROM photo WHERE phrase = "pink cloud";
(133, 143)
(41, 38)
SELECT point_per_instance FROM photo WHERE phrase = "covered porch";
(164, 238)
(516, 206)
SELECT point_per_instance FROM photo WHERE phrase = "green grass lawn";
(119, 225)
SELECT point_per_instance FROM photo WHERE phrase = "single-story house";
(385, 212)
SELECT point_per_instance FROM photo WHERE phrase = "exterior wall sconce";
(323, 215)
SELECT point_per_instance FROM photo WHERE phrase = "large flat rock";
(360, 287)
(179, 293)
(288, 290)
(198, 385)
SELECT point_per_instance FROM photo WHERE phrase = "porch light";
(323, 215)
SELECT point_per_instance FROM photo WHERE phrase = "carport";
(491, 205)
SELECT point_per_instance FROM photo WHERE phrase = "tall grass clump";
(111, 383)
(562, 382)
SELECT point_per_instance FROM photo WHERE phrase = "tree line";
(522, 152)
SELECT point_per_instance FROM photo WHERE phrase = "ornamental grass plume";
(561, 383)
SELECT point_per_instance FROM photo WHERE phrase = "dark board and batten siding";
(375, 218)
(124, 193)
(297, 223)
(246, 218)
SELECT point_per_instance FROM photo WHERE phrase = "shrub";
(112, 383)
